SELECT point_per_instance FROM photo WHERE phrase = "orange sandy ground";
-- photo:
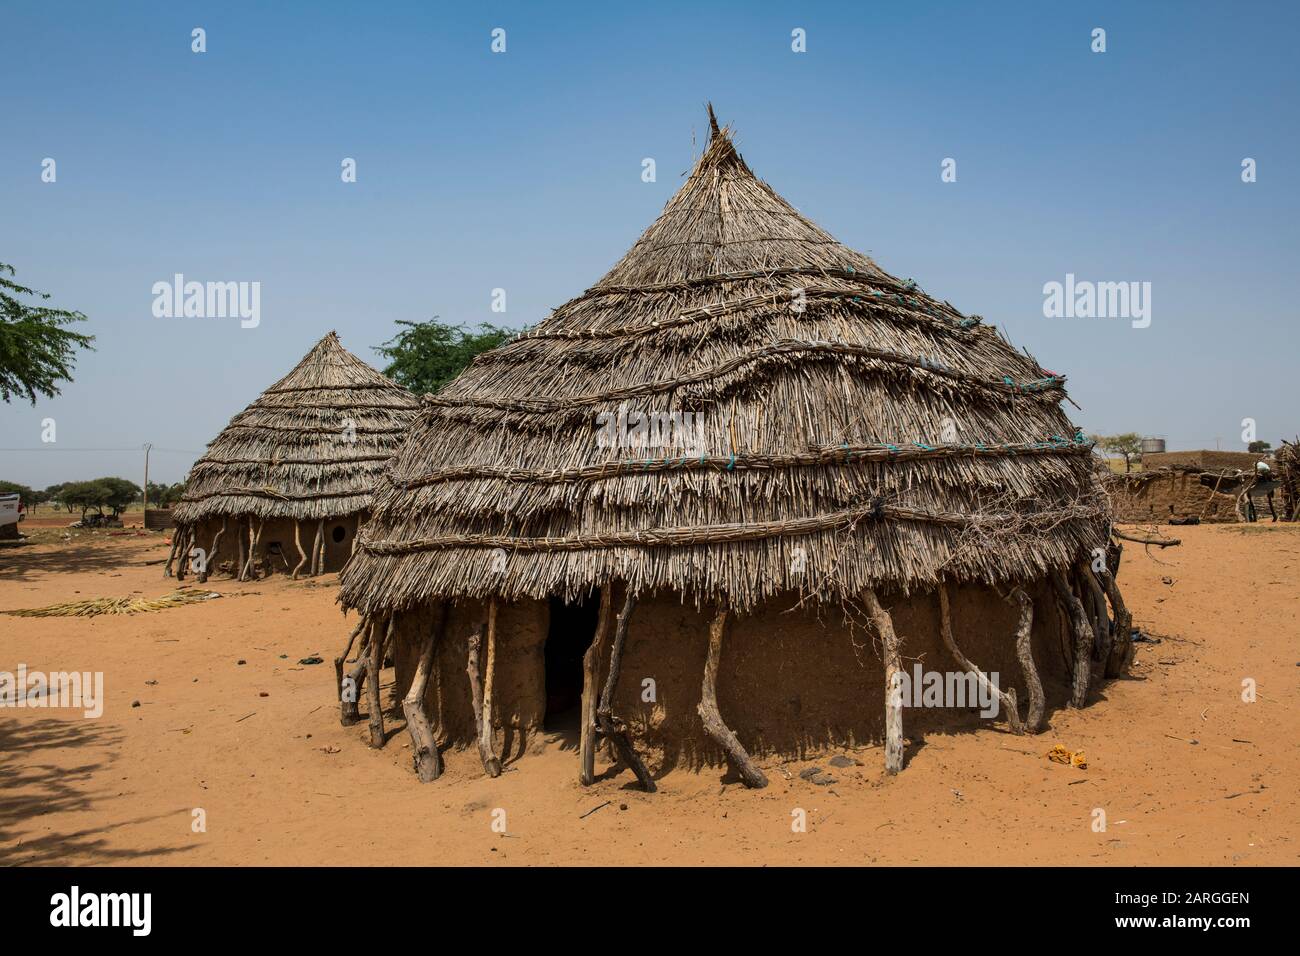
(282, 783)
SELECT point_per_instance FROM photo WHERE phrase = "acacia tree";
(425, 356)
(1129, 445)
(25, 494)
(37, 350)
(86, 495)
(120, 493)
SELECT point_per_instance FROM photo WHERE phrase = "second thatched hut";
(723, 506)
(287, 483)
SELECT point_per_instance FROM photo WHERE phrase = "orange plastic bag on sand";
(1072, 758)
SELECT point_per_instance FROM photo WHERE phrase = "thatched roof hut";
(743, 418)
(310, 450)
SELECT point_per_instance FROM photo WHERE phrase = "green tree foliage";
(1259, 447)
(37, 350)
(425, 356)
(163, 495)
(54, 494)
(1129, 445)
(120, 493)
(25, 494)
(86, 495)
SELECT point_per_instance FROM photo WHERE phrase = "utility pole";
(145, 493)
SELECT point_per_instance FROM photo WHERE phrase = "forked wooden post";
(1082, 639)
(590, 694)
(1006, 699)
(714, 725)
(242, 559)
(342, 658)
(350, 710)
(893, 682)
(491, 765)
(1024, 652)
(609, 725)
(1122, 650)
(424, 747)
(179, 543)
(1095, 603)
(318, 546)
(253, 541)
(377, 642)
(171, 555)
(486, 745)
(297, 540)
(211, 556)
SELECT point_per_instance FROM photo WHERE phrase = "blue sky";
(522, 171)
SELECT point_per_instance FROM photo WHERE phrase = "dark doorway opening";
(573, 625)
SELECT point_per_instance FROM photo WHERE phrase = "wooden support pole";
(211, 557)
(183, 555)
(491, 765)
(486, 747)
(318, 550)
(343, 657)
(424, 746)
(350, 709)
(1094, 602)
(1122, 650)
(609, 725)
(893, 682)
(1006, 699)
(248, 573)
(242, 560)
(377, 642)
(1082, 639)
(171, 555)
(254, 539)
(1024, 652)
(297, 540)
(708, 706)
(590, 694)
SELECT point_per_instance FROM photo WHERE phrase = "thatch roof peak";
(311, 446)
(815, 424)
(724, 219)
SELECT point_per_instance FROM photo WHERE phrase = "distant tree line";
(113, 494)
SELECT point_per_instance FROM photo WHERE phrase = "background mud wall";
(1178, 494)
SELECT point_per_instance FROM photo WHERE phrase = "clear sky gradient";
(522, 171)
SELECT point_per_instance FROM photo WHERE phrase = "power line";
(175, 451)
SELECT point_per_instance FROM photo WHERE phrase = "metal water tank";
(1153, 446)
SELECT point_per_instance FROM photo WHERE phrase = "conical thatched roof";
(311, 446)
(854, 432)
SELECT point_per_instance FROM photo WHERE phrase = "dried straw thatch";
(849, 432)
(311, 446)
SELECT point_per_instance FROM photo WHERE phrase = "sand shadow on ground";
(33, 789)
(23, 562)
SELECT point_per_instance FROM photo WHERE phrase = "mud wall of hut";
(792, 682)
(519, 679)
(279, 553)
